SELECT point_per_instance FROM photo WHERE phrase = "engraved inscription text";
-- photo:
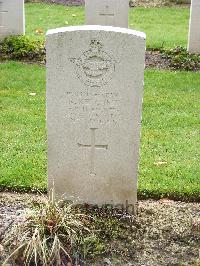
(95, 108)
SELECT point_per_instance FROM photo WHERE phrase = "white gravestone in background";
(94, 101)
(12, 21)
(194, 30)
(107, 12)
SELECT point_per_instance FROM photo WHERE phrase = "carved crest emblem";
(94, 67)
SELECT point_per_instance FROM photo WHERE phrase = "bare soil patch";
(159, 3)
(167, 232)
(154, 59)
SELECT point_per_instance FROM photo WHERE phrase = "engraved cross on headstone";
(93, 147)
(107, 11)
(2, 12)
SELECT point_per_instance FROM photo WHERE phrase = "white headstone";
(107, 12)
(94, 101)
(194, 30)
(12, 21)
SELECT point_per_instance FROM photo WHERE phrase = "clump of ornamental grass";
(62, 234)
(48, 235)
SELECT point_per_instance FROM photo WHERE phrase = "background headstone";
(194, 30)
(94, 101)
(12, 21)
(107, 12)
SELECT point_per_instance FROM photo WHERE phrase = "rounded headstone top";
(97, 28)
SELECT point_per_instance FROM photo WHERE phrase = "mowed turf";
(165, 27)
(22, 126)
(170, 146)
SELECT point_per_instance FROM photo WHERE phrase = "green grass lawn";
(170, 149)
(22, 126)
(167, 27)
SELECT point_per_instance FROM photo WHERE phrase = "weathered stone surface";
(12, 21)
(107, 12)
(94, 100)
(194, 30)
